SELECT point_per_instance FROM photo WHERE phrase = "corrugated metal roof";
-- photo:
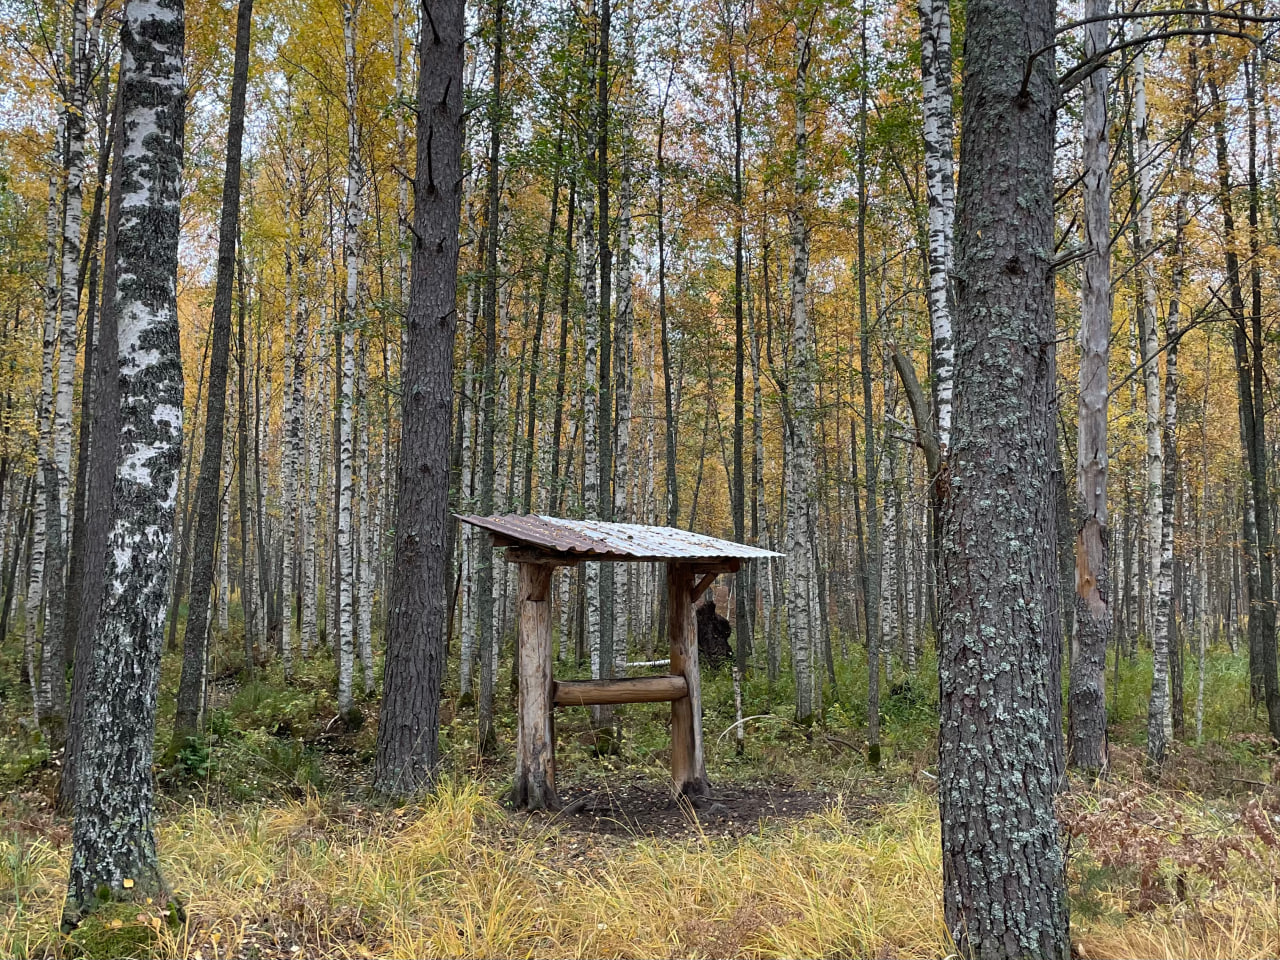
(611, 541)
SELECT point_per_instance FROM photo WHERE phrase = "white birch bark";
(939, 131)
(224, 546)
(1148, 337)
(69, 299)
(310, 635)
(44, 439)
(591, 408)
(402, 187)
(890, 626)
(622, 369)
(1087, 741)
(801, 464)
(1155, 594)
(291, 412)
(113, 843)
(353, 214)
(364, 609)
(293, 478)
(466, 667)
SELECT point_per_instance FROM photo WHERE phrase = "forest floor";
(270, 836)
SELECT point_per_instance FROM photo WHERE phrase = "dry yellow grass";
(455, 877)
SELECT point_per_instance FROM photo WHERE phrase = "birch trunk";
(44, 445)
(112, 838)
(292, 463)
(803, 376)
(248, 582)
(224, 549)
(353, 214)
(1159, 720)
(871, 464)
(466, 666)
(486, 734)
(364, 618)
(1088, 714)
(624, 322)
(939, 131)
(591, 413)
(1148, 339)
(310, 636)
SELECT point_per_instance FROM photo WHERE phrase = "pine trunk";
(188, 717)
(1003, 874)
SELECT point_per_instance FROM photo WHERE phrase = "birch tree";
(353, 215)
(801, 466)
(486, 734)
(113, 844)
(939, 164)
(1088, 713)
(1149, 343)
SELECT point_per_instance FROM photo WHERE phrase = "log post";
(535, 785)
(688, 763)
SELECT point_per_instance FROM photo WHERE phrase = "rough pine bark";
(1087, 716)
(1004, 889)
(113, 844)
(416, 616)
(188, 717)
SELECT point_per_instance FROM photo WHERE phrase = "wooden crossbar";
(581, 693)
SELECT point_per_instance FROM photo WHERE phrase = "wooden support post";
(535, 785)
(688, 763)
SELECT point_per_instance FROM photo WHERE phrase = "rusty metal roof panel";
(612, 541)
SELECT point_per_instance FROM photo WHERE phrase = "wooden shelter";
(539, 545)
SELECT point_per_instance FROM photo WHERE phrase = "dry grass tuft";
(457, 877)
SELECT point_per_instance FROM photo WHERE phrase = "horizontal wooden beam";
(521, 554)
(582, 693)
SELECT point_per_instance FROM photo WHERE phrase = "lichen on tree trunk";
(113, 844)
(1003, 880)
